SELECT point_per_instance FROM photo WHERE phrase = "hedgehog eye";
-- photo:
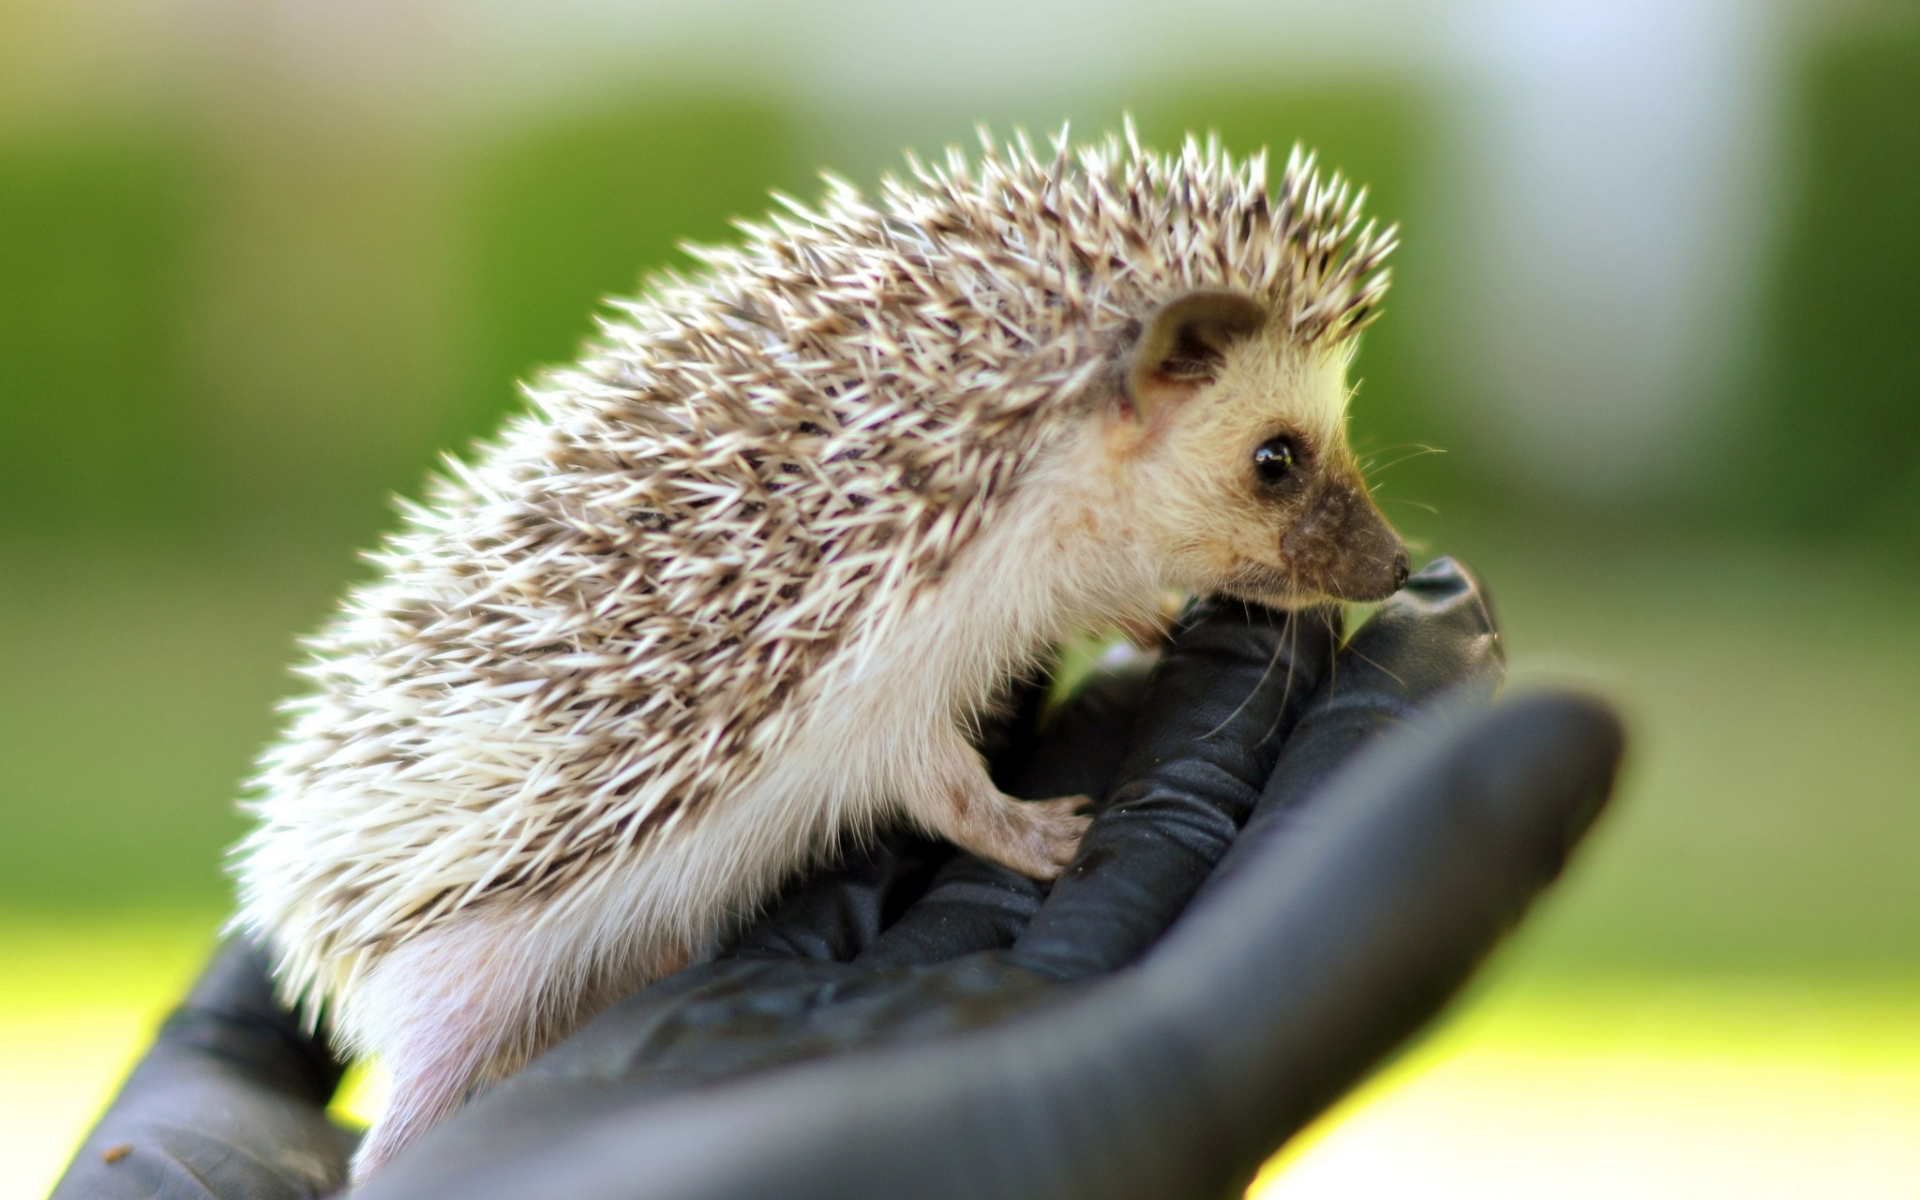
(1275, 459)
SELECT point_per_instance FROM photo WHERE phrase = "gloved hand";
(1290, 874)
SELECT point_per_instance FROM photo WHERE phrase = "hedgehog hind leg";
(423, 1093)
(959, 802)
(447, 1011)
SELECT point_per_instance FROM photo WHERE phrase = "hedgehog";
(735, 588)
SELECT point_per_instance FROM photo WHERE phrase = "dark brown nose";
(1373, 568)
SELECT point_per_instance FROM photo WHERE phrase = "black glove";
(921, 1023)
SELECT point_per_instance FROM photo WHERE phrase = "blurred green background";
(1657, 306)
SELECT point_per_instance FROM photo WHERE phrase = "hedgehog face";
(1243, 481)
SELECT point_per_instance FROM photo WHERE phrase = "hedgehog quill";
(739, 580)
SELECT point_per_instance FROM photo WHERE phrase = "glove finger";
(1218, 707)
(834, 914)
(973, 905)
(1435, 636)
(229, 1101)
(1291, 980)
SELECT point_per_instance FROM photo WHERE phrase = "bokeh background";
(1658, 309)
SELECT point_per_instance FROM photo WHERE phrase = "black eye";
(1275, 459)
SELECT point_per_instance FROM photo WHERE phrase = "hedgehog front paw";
(1037, 838)
(1057, 827)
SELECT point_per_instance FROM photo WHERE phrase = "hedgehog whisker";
(1376, 666)
(1293, 666)
(1416, 450)
(1248, 698)
(1422, 505)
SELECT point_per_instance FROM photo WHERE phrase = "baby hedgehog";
(744, 577)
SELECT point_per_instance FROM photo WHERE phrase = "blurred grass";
(97, 267)
(223, 341)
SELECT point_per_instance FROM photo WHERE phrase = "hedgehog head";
(1214, 319)
(1231, 436)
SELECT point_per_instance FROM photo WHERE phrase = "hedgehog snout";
(1343, 547)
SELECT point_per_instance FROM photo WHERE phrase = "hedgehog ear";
(1185, 341)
